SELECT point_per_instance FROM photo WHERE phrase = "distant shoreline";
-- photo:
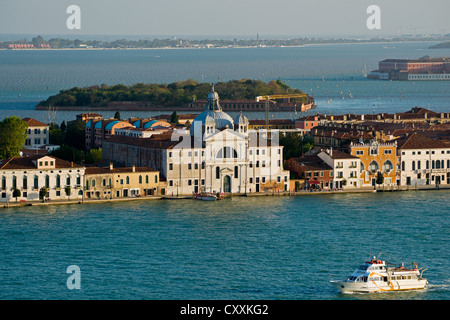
(224, 47)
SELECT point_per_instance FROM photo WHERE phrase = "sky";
(226, 18)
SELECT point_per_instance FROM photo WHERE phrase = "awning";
(314, 182)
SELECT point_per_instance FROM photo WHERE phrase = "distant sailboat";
(364, 73)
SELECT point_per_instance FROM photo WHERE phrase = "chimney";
(133, 168)
(110, 166)
(71, 164)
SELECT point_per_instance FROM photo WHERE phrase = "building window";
(58, 181)
(217, 173)
(140, 179)
(127, 180)
(388, 166)
(170, 166)
(236, 171)
(226, 152)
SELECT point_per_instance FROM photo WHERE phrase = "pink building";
(307, 123)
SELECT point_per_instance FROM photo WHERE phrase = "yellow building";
(376, 157)
(108, 183)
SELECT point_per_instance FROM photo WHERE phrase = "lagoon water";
(328, 72)
(245, 248)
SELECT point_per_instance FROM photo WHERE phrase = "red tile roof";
(34, 123)
(418, 141)
(27, 163)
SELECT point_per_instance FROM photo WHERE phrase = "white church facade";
(220, 154)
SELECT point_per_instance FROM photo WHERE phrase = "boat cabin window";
(363, 267)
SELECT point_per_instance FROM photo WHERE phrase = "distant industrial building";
(425, 68)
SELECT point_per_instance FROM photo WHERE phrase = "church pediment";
(225, 135)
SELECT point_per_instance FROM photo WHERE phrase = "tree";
(68, 191)
(380, 178)
(75, 135)
(308, 146)
(56, 135)
(174, 117)
(117, 115)
(16, 193)
(63, 126)
(94, 156)
(13, 133)
(43, 193)
(68, 153)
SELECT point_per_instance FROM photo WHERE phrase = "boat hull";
(207, 198)
(379, 286)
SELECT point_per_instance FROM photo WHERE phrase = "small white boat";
(206, 196)
(376, 276)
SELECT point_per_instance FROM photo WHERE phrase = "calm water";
(245, 248)
(248, 248)
(34, 75)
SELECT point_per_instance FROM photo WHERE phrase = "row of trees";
(13, 134)
(173, 94)
(71, 138)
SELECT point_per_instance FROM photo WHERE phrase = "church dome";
(212, 116)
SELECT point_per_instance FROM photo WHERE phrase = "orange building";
(376, 157)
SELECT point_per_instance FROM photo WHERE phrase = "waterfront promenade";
(13, 204)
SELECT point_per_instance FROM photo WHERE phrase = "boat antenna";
(379, 255)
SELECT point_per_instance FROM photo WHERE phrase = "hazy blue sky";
(225, 17)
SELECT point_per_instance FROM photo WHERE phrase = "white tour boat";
(206, 196)
(376, 276)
